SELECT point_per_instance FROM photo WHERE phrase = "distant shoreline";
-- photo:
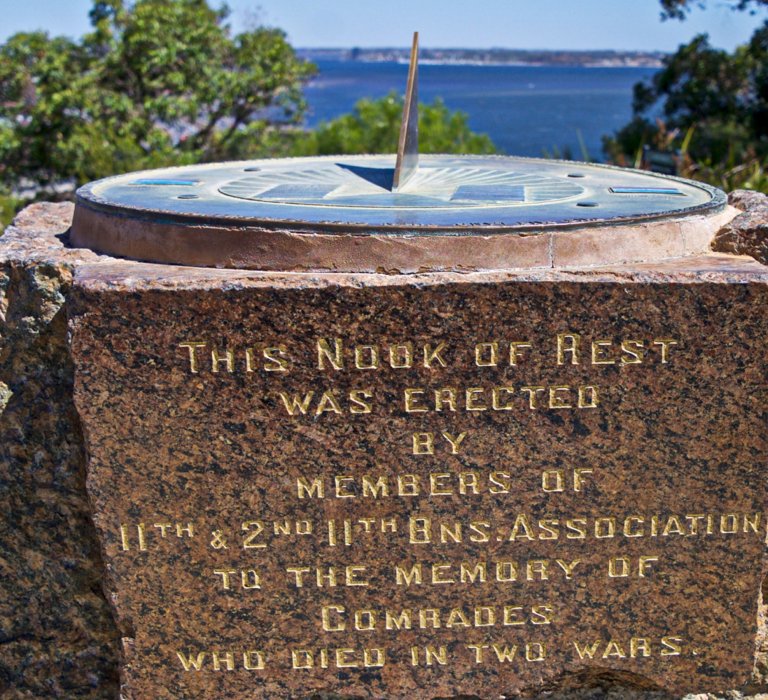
(494, 57)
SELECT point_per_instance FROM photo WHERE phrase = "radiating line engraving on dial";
(430, 187)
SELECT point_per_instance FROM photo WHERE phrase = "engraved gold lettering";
(454, 441)
(225, 574)
(504, 653)
(253, 660)
(618, 567)
(440, 574)
(487, 354)
(568, 348)
(377, 489)
(549, 528)
(307, 489)
(645, 565)
(666, 345)
(366, 357)
(612, 649)
(353, 575)
(671, 646)
(190, 662)
(553, 481)
(328, 402)
(514, 347)
(499, 482)
(192, 348)
(301, 658)
(275, 360)
(633, 352)
(588, 397)
(298, 572)
(556, 399)
(408, 485)
(182, 530)
(344, 660)
(218, 540)
(729, 523)
(468, 483)
(567, 567)
(457, 618)
(633, 526)
(599, 352)
(542, 614)
(365, 620)
(437, 485)
(374, 657)
(163, 527)
(470, 574)
(673, 526)
(586, 652)
(254, 528)
(340, 486)
(334, 356)
(532, 392)
(479, 531)
(412, 398)
(537, 568)
(227, 357)
(479, 649)
(521, 529)
(435, 655)
(297, 405)
(445, 399)
(472, 402)
(577, 529)
(401, 356)
(578, 477)
(419, 530)
(423, 444)
(403, 620)
(229, 661)
(605, 528)
(405, 577)
(429, 618)
(496, 398)
(752, 523)
(360, 401)
(432, 355)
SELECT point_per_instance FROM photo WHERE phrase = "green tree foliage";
(677, 9)
(157, 82)
(708, 105)
(374, 127)
(165, 82)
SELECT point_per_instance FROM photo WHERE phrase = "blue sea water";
(526, 110)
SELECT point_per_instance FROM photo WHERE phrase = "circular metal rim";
(87, 198)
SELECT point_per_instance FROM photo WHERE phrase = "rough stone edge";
(57, 635)
(38, 238)
(747, 233)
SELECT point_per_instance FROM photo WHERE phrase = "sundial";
(239, 214)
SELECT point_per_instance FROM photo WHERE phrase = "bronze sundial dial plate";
(259, 214)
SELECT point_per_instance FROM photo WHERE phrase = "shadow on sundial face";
(446, 187)
(482, 192)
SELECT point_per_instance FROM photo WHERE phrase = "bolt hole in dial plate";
(354, 194)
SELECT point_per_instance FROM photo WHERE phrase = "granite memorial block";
(411, 484)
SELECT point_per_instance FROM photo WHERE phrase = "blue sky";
(549, 24)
